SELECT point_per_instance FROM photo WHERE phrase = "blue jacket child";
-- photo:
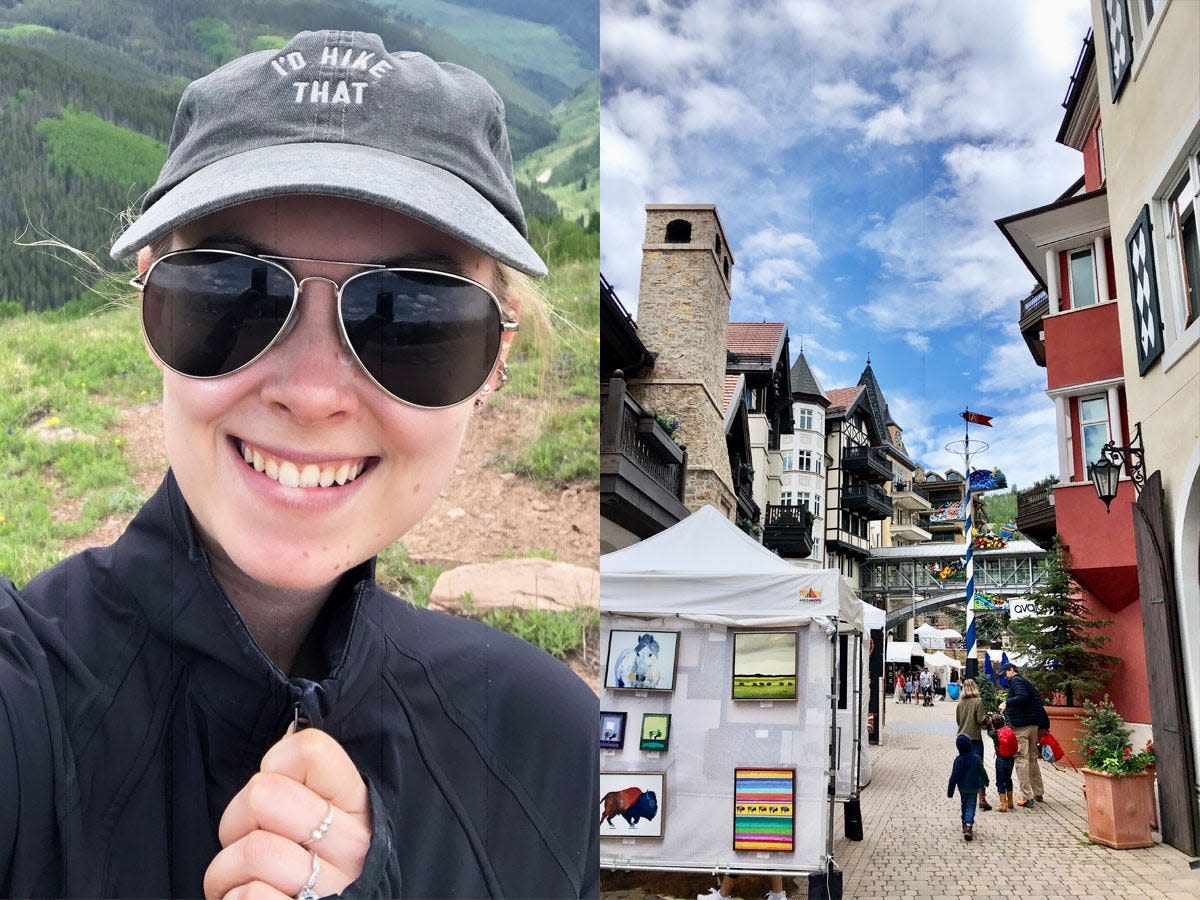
(970, 777)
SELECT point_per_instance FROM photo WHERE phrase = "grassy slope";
(578, 123)
(519, 43)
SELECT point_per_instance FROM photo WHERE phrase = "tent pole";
(833, 698)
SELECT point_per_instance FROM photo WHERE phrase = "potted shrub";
(1115, 780)
(1062, 644)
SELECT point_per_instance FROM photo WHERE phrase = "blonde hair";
(970, 688)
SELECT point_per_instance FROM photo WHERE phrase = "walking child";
(970, 777)
(1004, 739)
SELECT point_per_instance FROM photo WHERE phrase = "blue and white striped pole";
(972, 662)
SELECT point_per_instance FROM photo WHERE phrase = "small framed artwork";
(612, 730)
(765, 664)
(764, 810)
(656, 731)
(641, 660)
(632, 804)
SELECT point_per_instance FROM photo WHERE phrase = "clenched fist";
(267, 829)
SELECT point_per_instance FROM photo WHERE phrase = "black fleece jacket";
(134, 704)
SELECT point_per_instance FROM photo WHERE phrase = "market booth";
(718, 725)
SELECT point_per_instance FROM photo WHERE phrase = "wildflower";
(51, 422)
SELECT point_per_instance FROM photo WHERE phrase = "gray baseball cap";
(334, 113)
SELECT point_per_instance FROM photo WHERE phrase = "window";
(1093, 426)
(816, 507)
(1083, 279)
(805, 420)
(785, 498)
(816, 550)
(1182, 204)
(804, 460)
(786, 459)
(679, 231)
(817, 464)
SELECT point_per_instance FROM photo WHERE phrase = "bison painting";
(631, 804)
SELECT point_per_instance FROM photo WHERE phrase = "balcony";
(868, 500)
(868, 463)
(642, 471)
(907, 495)
(1033, 309)
(909, 532)
(787, 530)
(846, 542)
(748, 512)
(1035, 515)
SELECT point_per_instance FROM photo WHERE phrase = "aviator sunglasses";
(430, 339)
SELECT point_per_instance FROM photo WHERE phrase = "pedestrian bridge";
(913, 575)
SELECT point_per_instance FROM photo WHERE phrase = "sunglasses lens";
(428, 338)
(207, 313)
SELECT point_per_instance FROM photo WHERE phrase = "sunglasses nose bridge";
(300, 283)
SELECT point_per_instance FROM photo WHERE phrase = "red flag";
(977, 418)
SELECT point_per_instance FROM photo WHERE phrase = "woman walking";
(971, 718)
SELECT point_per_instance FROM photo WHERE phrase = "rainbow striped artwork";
(764, 804)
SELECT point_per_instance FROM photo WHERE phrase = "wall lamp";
(1105, 472)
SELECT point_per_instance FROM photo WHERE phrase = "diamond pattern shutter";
(1143, 288)
(1120, 43)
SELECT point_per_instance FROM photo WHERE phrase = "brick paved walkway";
(912, 843)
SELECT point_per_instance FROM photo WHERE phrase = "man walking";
(1028, 717)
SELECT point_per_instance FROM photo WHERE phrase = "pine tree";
(987, 693)
(1062, 641)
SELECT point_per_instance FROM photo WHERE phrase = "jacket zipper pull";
(299, 719)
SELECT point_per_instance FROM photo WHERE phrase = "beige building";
(1148, 60)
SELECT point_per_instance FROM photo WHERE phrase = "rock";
(525, 583)
(539, 506)
(457, 513)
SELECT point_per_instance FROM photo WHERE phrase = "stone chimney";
(683, 317)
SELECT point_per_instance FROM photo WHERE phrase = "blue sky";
(858, 152)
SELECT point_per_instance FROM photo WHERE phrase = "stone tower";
(683, 317)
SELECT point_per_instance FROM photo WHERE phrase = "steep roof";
(841, 399)
(756, 339)
(879, 411)
(731, 388)
(804, 383)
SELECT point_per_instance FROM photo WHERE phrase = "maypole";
(965, 452)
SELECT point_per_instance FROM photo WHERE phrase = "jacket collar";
(167, 572)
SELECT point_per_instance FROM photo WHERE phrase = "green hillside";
(88, 93)
(539, 54)
(568, 171)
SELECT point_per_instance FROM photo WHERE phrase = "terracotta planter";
(1064, 725)
(1118, 808)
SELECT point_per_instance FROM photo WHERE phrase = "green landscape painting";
(764, 665)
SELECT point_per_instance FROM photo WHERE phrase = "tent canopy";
(903, 651)
(941, 660)
(706, 569)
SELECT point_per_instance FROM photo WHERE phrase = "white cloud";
(917, 341)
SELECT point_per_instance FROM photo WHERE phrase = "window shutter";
(1143, 289)
(1120, 44)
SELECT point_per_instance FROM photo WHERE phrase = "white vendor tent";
(854, 762)
(698, 586)
(903, 651)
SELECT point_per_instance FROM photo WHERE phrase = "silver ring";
(307, 892)
(319, 832)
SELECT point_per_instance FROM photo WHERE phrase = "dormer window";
(679, 231)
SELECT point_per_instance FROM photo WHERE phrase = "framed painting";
(612, 730)
(632, 804)
(641, 660)
(764, 810)
(656, 731)
(765, 664)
